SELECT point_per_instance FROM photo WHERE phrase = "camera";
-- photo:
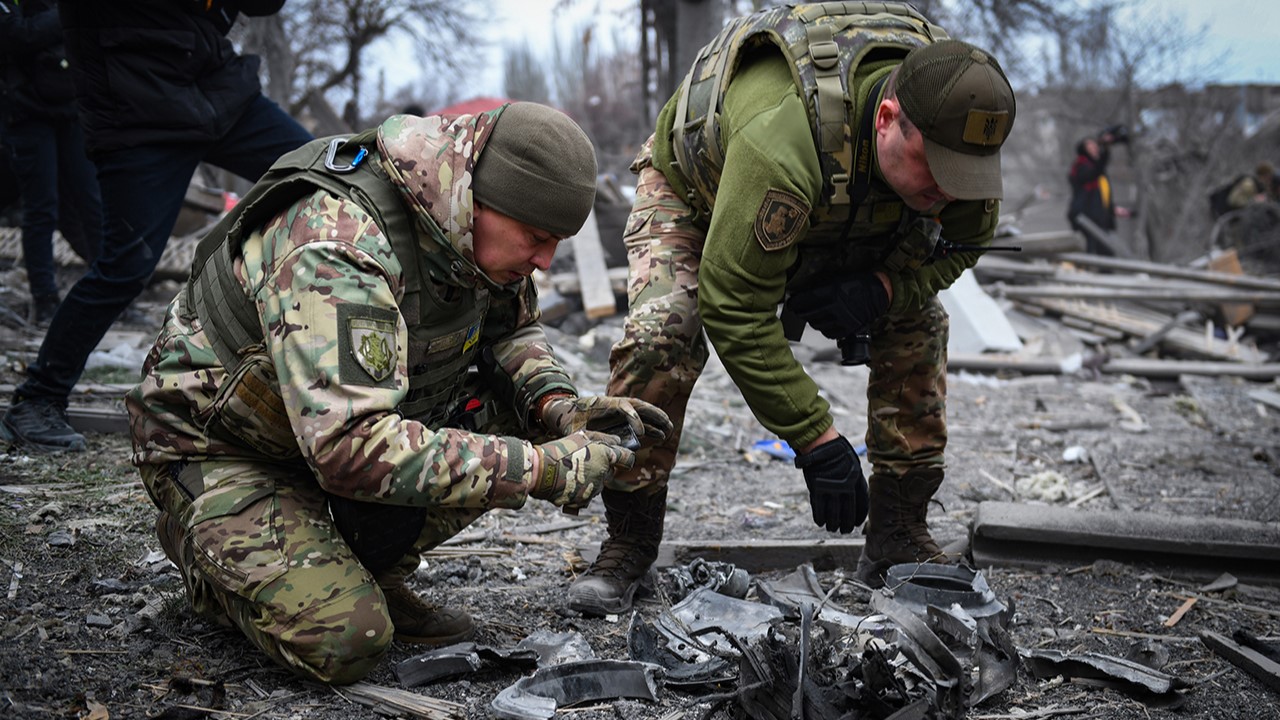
(1119, 133)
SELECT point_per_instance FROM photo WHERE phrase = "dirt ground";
(94, 624)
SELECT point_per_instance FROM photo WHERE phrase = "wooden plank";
(1140, 322)
(1266, 670)
(1106, 238)
(1201, 547)
(1153, 339)
(1173, 368)
(1053, 242)
(598, 300)
(997, 362)
(1180, 295)
(1173, 271)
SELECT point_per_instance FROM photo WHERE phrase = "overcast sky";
(1249, 30)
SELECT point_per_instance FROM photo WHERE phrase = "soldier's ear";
(887, 113)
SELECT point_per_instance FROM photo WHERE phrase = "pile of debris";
(935, 644)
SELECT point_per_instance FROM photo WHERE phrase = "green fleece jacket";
(769, 146)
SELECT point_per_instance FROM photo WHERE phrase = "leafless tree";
(331, 44)
(524, 76)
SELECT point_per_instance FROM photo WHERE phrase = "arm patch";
(780, 220)
(367, 345)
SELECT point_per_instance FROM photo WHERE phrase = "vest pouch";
(248, 411)
(237, 535)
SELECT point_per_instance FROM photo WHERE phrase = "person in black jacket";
(161, 89)
(42, 132)
(1092, 195)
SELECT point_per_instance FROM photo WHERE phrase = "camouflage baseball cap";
(960, 99)
(538, 167)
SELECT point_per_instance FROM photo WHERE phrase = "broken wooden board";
(1141, 323)
(1266, 670)
(1016, 534)
(598, 300)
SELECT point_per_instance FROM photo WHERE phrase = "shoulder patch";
(367, 345)
(780, 220)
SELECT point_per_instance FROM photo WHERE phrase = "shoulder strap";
(228, 314)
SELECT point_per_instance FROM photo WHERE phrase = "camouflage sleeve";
(522, 355)
(324, 277)
(965, 223)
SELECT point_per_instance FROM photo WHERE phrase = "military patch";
(473, 337)
(780, 220)
(367, 345)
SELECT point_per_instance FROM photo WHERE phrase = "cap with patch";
(959, 98)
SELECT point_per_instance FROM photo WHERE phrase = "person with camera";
(1092, 195)
(807, 158)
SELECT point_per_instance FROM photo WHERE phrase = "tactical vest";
(443, 318)
(822, 43)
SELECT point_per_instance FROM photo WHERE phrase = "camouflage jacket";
(344, 350)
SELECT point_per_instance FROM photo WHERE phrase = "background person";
(161, 90)
(42, 131)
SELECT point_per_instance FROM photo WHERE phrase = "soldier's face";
(900, 150)
(506, 249)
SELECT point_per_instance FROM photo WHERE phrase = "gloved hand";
(842, 309)
(576, 467)
(837, 488)
(565, 414)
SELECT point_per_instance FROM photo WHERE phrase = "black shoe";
(42, 309)
(41, 425)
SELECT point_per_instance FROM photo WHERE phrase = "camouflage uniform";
(721, 242)
(349, 393)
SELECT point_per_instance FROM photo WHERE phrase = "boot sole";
(593, 605)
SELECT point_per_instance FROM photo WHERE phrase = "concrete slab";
(977, 323)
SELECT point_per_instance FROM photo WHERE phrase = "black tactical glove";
(842, 309)
(837, 488)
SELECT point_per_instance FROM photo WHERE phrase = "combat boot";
(418, 621)
(635, 522)
(897, 530)
(41, 424)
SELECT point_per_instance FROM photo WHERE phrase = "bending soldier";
(355, 372)
(807, 157)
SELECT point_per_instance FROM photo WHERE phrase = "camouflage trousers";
(262, 552)
(664, 349)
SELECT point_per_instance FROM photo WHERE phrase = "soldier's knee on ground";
(338, 647)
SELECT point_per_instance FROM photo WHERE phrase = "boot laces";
(620, 559)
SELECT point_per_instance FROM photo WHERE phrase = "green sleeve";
(969, 222)
(769, 146)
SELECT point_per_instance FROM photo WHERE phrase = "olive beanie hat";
(537, 167)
